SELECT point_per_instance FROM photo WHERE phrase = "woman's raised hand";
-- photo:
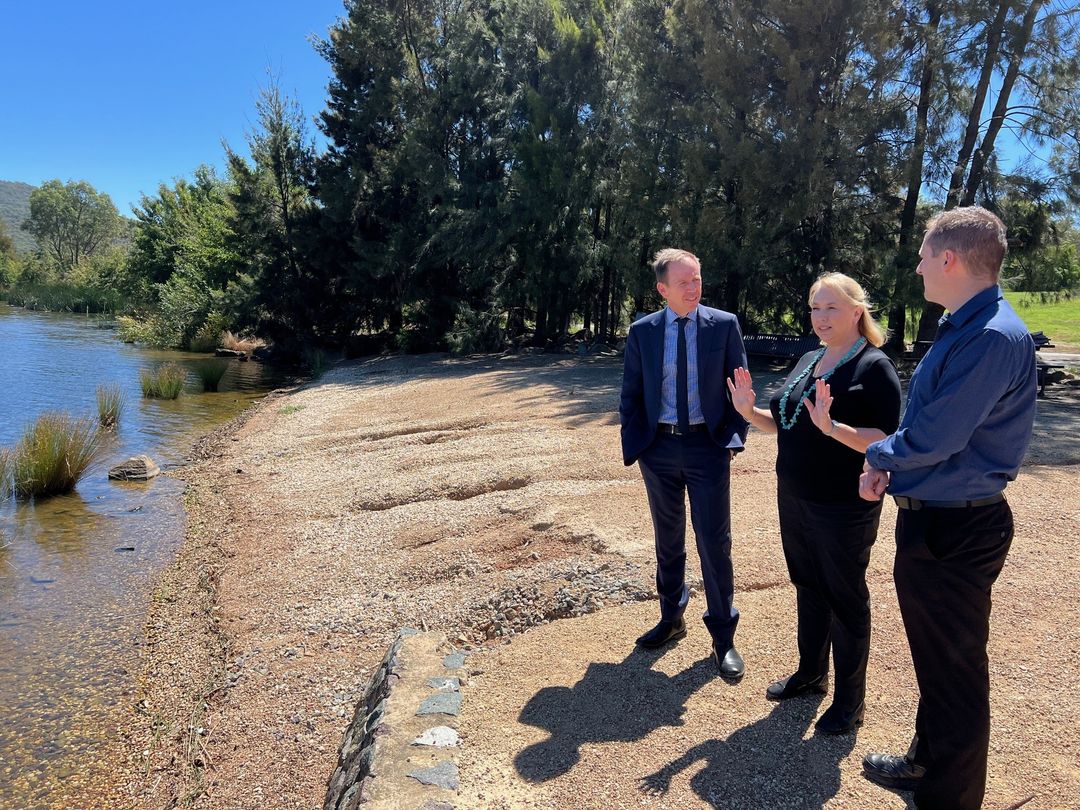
(742, 393)
(819, 410)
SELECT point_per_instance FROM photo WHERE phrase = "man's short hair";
(976, 235)
(668, 256)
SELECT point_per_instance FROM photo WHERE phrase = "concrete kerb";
(398, 751)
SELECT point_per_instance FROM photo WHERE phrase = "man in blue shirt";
(679, 425)
(971, 403)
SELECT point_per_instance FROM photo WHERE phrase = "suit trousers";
(827, 548)
(947, 560)
(674, 467)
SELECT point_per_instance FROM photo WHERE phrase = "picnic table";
(780, 347)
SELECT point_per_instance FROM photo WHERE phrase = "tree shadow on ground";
(620, 702)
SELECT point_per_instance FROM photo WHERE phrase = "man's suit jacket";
(719, 352)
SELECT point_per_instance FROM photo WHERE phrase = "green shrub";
(164, 382)
(53, 455)
(211, 372)
(110, 402)
(209, 335)
(475, 331)
(133, 330)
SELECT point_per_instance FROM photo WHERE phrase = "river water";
(76, 571)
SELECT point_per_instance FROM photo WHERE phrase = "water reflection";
(76, 570)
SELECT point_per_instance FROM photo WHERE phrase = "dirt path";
(484, 497)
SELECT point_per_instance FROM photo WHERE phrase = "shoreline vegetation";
(55, 451)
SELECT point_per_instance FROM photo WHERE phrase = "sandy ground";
(485, 497)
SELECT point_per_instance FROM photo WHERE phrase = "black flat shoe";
(892, 771)
(664, 632)
(730, 663)
(793, 686)
(836, 720)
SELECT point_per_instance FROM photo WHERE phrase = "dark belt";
(673, 430)
(914, 504)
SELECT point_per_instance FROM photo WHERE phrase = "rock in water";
(136, 468)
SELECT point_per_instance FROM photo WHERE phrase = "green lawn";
(1060, 320)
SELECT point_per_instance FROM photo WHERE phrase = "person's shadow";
(619, 702)
(764, 764)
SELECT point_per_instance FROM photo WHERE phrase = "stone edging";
(398, 751)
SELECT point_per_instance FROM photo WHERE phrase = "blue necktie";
(682, 395)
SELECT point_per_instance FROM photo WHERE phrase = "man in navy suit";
(681, 428)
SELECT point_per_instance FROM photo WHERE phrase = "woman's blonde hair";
(850, 289)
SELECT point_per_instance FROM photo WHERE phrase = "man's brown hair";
(668, 256)
(976, 235)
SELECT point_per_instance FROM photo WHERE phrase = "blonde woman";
(836, 401)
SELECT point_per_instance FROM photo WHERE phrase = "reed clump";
(164, 382)
(53, 455)
(236, 343)
(5, 474)
(211, 372)
(110, 403)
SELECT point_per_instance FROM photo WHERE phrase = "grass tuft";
(5, 474)
(53, 455)
(164, 382)
(232, 341)
(110, 402)
(211, 372)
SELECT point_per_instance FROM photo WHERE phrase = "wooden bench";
(780, 347)
(1043, 368)
(920, 347)
(1041, 341)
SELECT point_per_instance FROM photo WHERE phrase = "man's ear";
(948, 259)
(662, 289)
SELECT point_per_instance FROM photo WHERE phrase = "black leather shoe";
(838, 720)
(793, 686)
(892, 771)
(730, 663)
(664, 632)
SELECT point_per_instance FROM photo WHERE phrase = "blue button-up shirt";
(971, 404)
(668, 408)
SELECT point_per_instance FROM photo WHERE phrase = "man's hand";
(872, 483)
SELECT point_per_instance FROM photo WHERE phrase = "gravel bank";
(484, 498)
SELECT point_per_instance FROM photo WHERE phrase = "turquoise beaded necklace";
(787, 424)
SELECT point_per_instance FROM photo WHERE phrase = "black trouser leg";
(827, 547)
(947, 560)
(708, 483)
(665, 484)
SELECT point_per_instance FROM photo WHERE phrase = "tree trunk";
(932, 312)
(986, 148)
(898, 310)
(971, 134)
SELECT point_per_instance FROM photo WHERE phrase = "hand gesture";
(655, 784)
(819, 411)
(742, 393)
(872, 484)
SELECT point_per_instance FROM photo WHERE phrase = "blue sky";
(128, 95)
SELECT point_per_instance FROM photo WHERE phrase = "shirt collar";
(671, 316)
(973, 305)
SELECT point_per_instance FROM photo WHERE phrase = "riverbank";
(483, 497)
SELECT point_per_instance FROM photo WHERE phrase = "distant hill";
(14, 209)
